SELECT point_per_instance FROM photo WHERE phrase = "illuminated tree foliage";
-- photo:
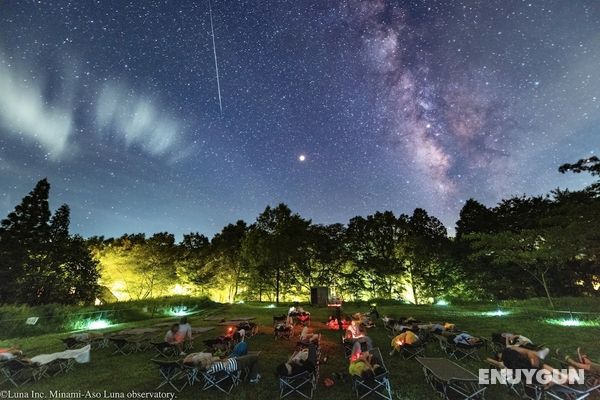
(521, 247)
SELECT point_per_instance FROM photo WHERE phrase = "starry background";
(395, 104)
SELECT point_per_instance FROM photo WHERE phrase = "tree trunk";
(277, 277)
(413, 288)
(547, 290)
(237, 283)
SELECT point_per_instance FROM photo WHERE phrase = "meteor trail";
(212, 29)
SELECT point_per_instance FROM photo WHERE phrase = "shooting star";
(212, 29)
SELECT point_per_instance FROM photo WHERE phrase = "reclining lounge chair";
(379, 385)
(451, 380)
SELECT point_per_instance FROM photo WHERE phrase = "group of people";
(297, 312)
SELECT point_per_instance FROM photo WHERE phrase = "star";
(302, 158)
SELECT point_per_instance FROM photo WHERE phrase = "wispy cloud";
(50, 119)
(26, 112)
(136, 121)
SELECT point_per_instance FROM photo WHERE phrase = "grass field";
(122, 374)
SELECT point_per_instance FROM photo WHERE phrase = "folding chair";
(378, 385)
(164, 349)
(192, 373)
(64, 365)
(570, 392)
(409, 351)
(21, 372)
(72, 343)
(282, 331)
(451, 380)
(251, 328)
(224, 381)
(122, 346)
(172, 373)
(520, 389)
(16, 372)
(303, 384)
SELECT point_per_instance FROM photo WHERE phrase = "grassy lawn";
(117, 373)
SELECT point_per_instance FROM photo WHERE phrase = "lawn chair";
(72, 343)
(409, 351)
(251, 329)
(192, 374)
(122, 345)
(378, 385)
(520, 389)
(16, 372)
(283, 331)
(224, 381)
(570, 392)
(172, 373)
(450, 379)
(164, 349)
(304, 383)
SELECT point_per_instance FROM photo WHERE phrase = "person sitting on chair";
(307, 337)
(299, 362)
(357, 332)
(184, 333)
(171, 338)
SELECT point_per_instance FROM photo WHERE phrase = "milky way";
(395, 105)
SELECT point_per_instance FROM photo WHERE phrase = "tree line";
(527, 246)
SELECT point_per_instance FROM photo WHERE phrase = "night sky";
(394, 105)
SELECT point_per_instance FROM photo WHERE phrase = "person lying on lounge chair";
(466, 339)
(363, 364)
(232, 364)
(518, 358)
(584, 362)
(446, 327)
(356, 332)
(405, 338)
(10, 353)
(521, 358)
(510, 339)
(202, 360)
